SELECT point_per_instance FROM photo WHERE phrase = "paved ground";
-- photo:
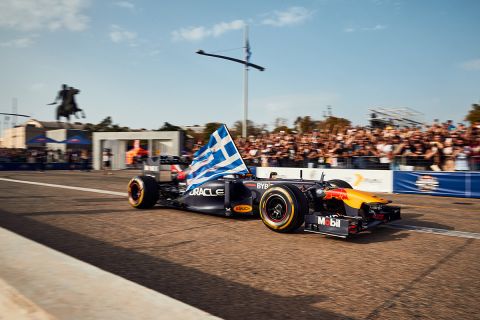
(44, 284)
(238, 269)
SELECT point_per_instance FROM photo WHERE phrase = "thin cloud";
(201, 32)
(378, 27)
(471, 65)
(190, 34)
(23, 42)
(154, 52)
(120, 35)
(44, 14)
(125, 4)
(291, 16)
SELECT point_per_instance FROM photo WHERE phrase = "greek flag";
(218, 158)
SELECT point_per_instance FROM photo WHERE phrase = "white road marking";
(113, 193)
(443, 232)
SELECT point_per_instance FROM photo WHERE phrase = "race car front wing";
(343, 226)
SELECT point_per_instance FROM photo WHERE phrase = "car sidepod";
(220, 197)
(208, 198)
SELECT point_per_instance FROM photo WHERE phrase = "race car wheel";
(142, 192)
(283, 207)
(340, 183)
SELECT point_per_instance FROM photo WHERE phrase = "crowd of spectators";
(75, 158)
(438, 147)
(13, 155)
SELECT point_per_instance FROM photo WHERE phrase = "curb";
(13, 305)
(44, 284)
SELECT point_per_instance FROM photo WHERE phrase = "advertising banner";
(367, 180)
(453, 184)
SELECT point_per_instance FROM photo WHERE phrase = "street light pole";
(246, 64)
(245, 84)
(6, 119)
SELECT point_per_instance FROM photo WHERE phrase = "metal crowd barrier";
(28, 166)
(400, 163)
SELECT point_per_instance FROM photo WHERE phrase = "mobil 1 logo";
(329, 222)
(327, 225)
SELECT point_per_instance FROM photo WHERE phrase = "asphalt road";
(238, 269)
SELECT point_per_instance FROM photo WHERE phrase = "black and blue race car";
(330, 207)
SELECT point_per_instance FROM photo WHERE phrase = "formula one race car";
(330, 207)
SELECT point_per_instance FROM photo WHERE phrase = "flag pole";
(247, 64)
(236, 148)
(245, 84)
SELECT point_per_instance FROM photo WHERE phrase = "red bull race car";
(330, 207)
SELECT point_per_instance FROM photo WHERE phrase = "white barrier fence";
(367, 180)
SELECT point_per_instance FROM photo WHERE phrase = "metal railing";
(403, 162)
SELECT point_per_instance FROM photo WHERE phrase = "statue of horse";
(68, 105)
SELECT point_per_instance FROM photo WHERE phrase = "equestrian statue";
(68, 106)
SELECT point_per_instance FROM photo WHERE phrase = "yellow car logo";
(242, 208)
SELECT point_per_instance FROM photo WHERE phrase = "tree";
(169, 127)
(280, 122)
(474, 114)
(209, 129)
(194, 135)
(90, 127)
(332, 123)
(106, 125)
(282, 128)
(304, 124)
(253, 130)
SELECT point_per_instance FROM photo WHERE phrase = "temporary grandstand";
(381, 117)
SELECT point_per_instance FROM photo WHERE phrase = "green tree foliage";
(305, 124)
(169, 127)
(474, 114)
(280, 122)
(209, 129)
(252, 128)
(195, 136)
(282, 128)
(333, 124)
(106, 125)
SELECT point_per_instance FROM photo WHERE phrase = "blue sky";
(136, 61)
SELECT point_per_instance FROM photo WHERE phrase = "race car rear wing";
(160, 167)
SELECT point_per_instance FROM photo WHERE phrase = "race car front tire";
(142, 192)
(283, 207)
(340, 183)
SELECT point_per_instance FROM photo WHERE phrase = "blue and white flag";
(218, 158)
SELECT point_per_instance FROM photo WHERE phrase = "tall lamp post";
(5, 123)
(247, 64)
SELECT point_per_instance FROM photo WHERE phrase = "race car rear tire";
(340, 183)
(142, 192)
(283, 207)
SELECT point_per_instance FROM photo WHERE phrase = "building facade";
(17, 137)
